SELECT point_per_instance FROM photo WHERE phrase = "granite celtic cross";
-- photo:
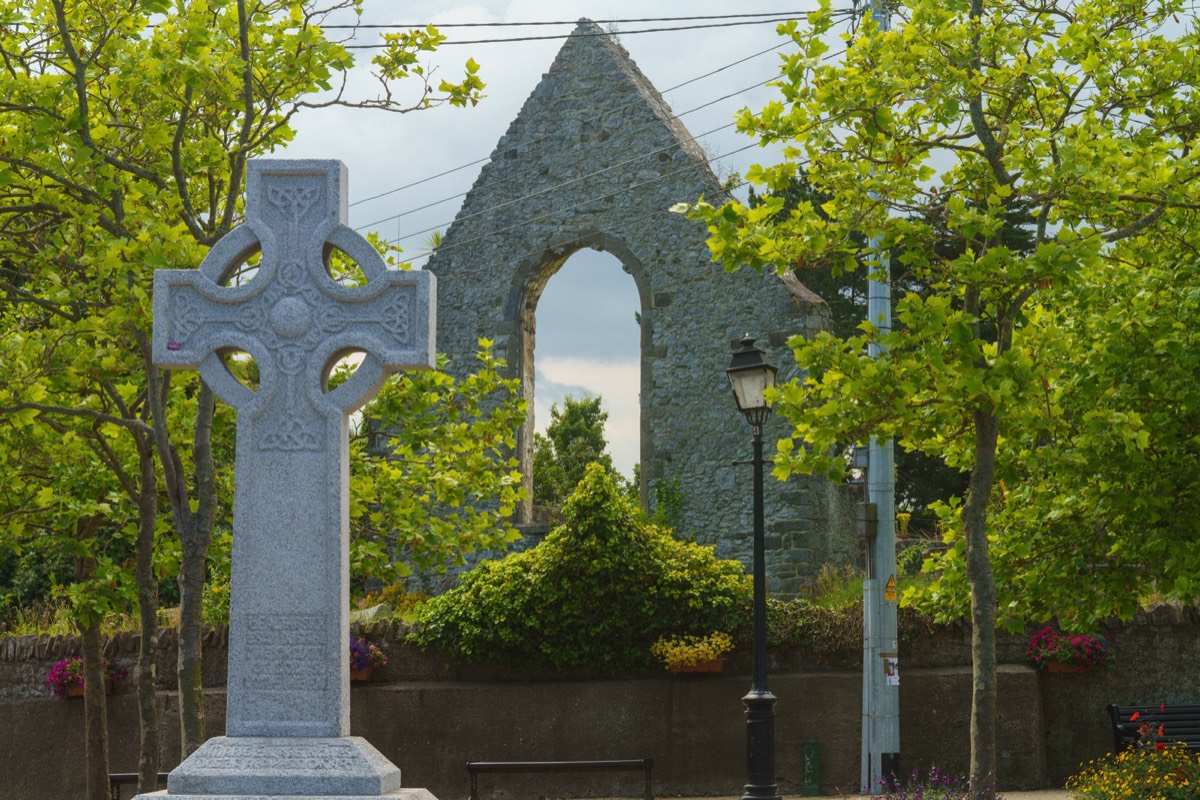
(288, 659)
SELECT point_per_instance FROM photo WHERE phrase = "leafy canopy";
(433, 473)
(926, 138)
(573, 440)
(923, 142)
(125, 128)
(1094, 517)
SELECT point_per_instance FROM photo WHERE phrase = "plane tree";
(1084, 110)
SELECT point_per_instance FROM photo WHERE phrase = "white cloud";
(617, 383)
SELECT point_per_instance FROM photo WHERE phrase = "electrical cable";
(556, 187)
(826, 57)
(542, 138)
(518, 173)
(559, 211)
(449, 43)
(439, 25)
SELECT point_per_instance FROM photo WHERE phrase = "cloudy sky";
(587, 339)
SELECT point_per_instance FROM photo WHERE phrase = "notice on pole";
(891, 668)
(889, 591)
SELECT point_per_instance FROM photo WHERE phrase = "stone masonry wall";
(596, 159)
(429, 715)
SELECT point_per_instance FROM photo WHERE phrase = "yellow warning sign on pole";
(889, 591)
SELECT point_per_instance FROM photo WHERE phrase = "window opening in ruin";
(588, 343)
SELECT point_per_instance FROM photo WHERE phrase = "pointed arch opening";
(584, 348)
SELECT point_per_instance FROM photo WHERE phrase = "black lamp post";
(751, 375)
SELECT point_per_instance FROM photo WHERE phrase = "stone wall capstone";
(595, 159)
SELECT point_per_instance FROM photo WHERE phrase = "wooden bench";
(118, 779)
(1179, 724)
(645, 765)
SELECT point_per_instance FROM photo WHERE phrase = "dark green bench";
(118, 779)
(644, 765)
(1179, 724)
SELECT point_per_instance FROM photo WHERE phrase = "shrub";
(803, 624)
(819, 628)
(1139, 774)
(214, 603)
(397, 596)
(600, 589)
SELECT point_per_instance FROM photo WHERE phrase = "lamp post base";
(760, 746)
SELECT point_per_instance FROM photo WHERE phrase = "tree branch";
(1135, 227)
(79, 78)
(187, 212)
(86, 413)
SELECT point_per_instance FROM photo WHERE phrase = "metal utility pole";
(881, 674)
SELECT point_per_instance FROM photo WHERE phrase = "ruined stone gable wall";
(596, 159)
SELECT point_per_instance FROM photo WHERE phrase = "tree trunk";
(983, 607)
(196, 537)
(191, 686)
(147, 589)
(95, 709)
(195, 534)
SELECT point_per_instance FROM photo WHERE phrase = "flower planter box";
(712, 665)
(76, 689)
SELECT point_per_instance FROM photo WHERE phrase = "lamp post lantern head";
(751, 375)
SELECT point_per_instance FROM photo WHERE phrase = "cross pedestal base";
(256, 768)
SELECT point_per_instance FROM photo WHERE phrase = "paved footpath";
(1033, 794)
(1027, 794)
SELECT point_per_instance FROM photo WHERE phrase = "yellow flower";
(687, 651)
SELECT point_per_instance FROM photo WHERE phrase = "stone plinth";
(240, 768)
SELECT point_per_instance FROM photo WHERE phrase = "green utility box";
(811, 785)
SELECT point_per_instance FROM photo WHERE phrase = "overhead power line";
(559, 211)
(827, 57)
(522, 171)
(439, 25)
(449, 42)
(547, 190)
(492, 266)
(718, 70)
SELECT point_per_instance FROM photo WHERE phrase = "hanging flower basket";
(1056, 651)
(66, 677)
(364, 658)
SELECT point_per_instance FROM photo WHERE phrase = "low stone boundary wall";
(693, 727)
(430, 716)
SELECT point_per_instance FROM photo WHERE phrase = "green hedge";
(596, 593)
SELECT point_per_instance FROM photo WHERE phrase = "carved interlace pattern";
(293, 201)
(293, 437)
(290, 349)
